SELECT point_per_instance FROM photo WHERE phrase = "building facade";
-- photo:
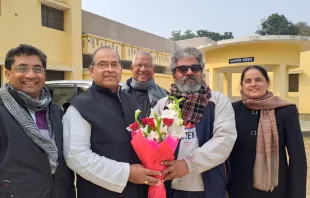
(54, 26)
(286, 58)
(69, 35)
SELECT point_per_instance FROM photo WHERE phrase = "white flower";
(169, 114)
(172, 106)
(162, 128)
(176, 131)
(153, 135)
(152, 115)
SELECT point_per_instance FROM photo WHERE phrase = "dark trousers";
(187, 194)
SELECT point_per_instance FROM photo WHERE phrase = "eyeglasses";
(183, 69)
(106, 65)
(255, 80)
(23, 69)
(140, 66)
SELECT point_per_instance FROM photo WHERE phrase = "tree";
(176, 35)
(304, 28)
(227, 35)
(214, 35)
(188, 34)
(277, 24)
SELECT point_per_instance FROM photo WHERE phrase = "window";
(126, 64)
(54, 75)
(128, 52)
(52, 18)
(62, 95)
(86, 61)
(293, 82)
(116, 49)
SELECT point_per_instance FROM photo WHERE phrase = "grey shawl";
(155, 92)
(26, 122)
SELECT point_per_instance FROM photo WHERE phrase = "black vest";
(24, 169)
(215, 179)
(108, 118)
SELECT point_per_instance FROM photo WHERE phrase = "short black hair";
(23, 49)
(257, 67)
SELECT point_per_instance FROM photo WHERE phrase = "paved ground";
(307, 145)
(305, 125)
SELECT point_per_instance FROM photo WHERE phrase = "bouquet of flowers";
(155, 139)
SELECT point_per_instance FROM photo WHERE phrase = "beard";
(188, 87)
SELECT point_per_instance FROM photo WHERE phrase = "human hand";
(140, 175)
(175, 169)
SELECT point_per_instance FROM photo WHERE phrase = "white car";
(62, 91)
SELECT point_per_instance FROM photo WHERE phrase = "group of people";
(249, 148)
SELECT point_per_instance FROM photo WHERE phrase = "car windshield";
(62, 95)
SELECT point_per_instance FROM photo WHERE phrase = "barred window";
(86, 61)
(293, 82)
(52, 18)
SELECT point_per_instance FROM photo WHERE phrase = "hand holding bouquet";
(155, 139)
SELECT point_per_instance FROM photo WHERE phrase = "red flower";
(134, 126)
(144, 121)
(168, 121)
(151, 123)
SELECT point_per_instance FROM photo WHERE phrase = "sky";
(161, 17)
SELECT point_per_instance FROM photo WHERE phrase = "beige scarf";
(266, 167)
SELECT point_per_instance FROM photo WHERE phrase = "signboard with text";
(241, 60)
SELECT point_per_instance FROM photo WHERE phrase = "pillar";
(280, 78)
(228, 84)
(214, 79)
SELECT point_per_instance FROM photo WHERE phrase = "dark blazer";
(292, 175)
(24, 167)
(108, 114)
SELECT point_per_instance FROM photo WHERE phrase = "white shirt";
(188, 144)
(212, 153)
(102, 171)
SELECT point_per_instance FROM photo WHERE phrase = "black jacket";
(24, 167)
(292, 176)
(109, 115)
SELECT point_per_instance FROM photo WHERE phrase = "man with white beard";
(200, 168)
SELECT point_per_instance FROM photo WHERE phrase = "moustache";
(192, 77)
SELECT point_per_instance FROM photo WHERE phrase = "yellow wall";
(125, 51)
(162, 80)
(20, 22)
(269, 55)
(304, 83)
(263, 53)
